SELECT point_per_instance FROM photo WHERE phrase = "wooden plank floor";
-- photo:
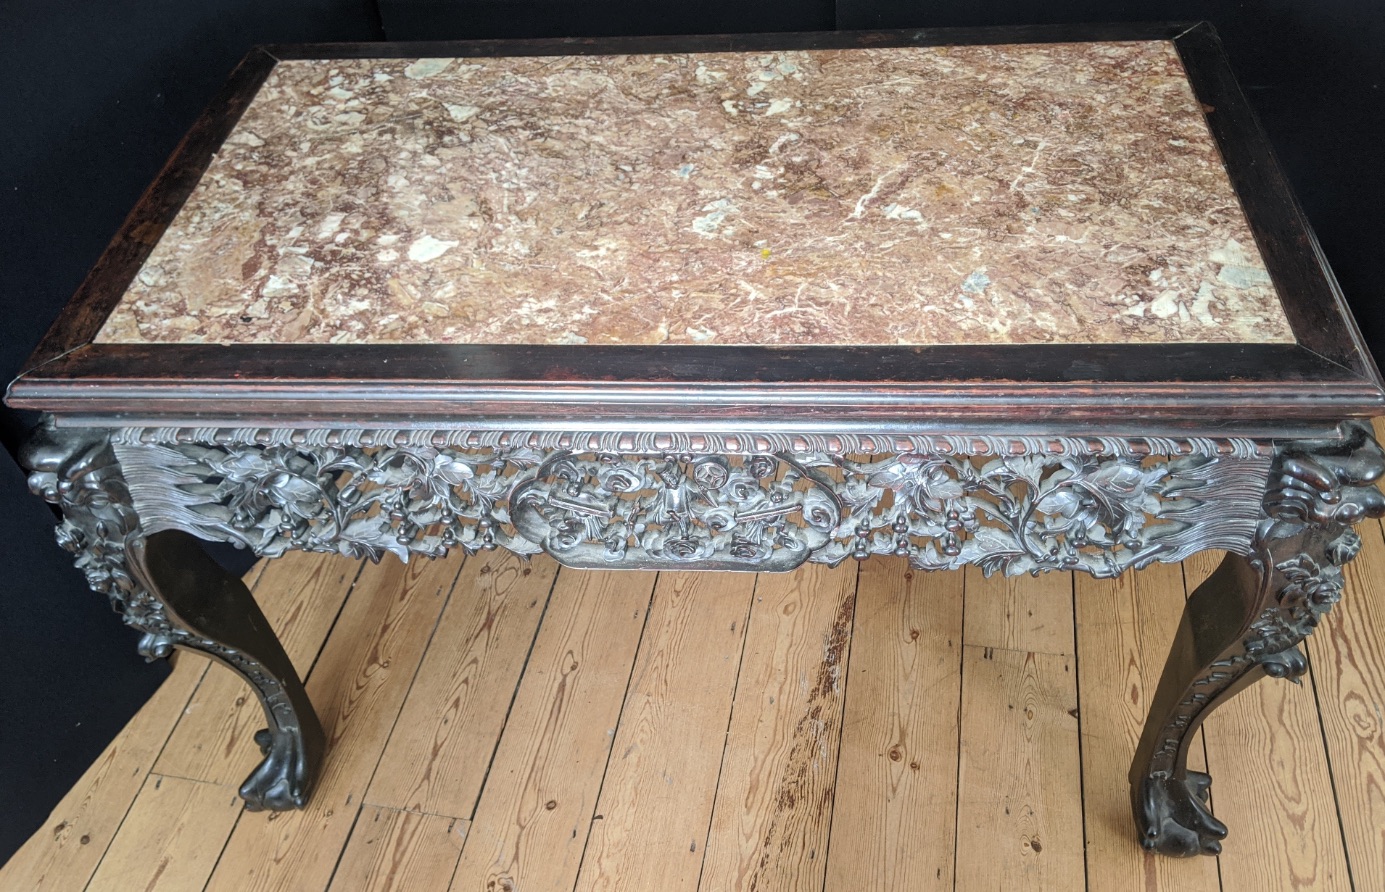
(503, 726)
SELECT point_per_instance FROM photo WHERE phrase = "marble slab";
(1022, 194)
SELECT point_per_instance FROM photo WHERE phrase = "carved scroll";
(1099, 505)
(1248, 620)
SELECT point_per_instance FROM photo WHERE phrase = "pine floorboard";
(857, 728)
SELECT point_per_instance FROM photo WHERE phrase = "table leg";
(166, 586)
(1247, 620)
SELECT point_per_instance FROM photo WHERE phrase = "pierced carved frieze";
(1098, 505)
(362, 502)
(1026, 514)
(739, 512)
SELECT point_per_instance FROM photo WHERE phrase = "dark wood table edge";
(1328, 375)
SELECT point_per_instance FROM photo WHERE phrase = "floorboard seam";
(1081, 762)
(235, 825)
(1331, 769)
(336, 617)
(620, 714)
(961, 692)
(841, 726)
(413, 679)
(509, 709)
(341, 853)
(726, 737)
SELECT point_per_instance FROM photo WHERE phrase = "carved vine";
(1028, 514)
(1100, 513)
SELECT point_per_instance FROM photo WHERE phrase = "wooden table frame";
(1016, 458)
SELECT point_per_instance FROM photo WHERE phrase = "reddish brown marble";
(991, 194)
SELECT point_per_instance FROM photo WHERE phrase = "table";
(1033, 299)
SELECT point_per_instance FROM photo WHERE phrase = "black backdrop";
(96, 94)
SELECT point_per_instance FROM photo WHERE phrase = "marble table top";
(1004, 194)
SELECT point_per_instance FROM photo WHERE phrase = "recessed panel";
(1020, 194)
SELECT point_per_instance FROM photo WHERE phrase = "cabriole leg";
(1247, 620)
(168, 588)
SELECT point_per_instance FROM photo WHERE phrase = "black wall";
(96, 94)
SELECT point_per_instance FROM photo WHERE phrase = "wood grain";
(442, 746)
(396, 851)
(1348, 658)
(894, 820)
(1271, 782)
(1024, 613)
(171, 838)
(300, 595)
(1123, 632)
(778, 776)
(65, 851)
(358, 686)
(1125, 627)
(1019, 793)
(669, 743)
(536, 809)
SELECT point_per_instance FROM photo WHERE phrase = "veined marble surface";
(1065, 193)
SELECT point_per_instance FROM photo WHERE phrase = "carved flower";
(1344, 547)
(1124, 486)
(761, 466)
(684, 548)
(69, 537)
(452, 470)
(927, 482)
(1308, 583)
(1070, 510)
(819, 510)
(934, 486)
(568, 532)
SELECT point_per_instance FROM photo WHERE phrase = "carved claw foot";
(1173, 816)
(1247, 619)
(283, 780)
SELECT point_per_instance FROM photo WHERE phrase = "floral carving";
(1100, 513)
(1027, 514)
(359, 502)
(711, 511)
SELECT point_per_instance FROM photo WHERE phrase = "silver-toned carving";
(1316, 490)
(1027, 514)
(646, 442)
(357, 501)
(77, 470)
(1101, 512)
(752, 512)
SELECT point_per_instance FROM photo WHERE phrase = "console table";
(1032, 299)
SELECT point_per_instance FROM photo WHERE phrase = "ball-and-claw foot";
(1173, 816)
(282, 781)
